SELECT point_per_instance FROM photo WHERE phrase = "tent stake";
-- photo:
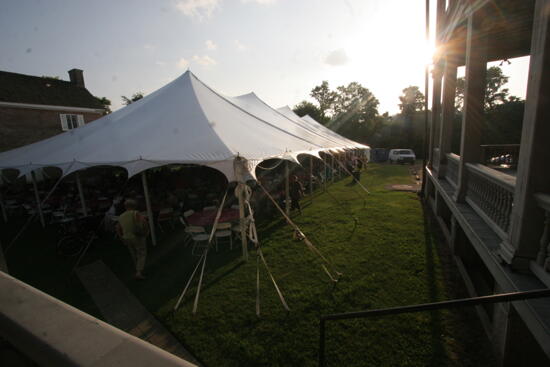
(287, 189)
(38, 204)
(81, 194)
(149, 210)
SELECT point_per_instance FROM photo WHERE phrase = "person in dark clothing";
(296, 192)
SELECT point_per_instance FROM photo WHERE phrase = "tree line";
(352, 111)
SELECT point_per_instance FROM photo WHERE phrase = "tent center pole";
(310, 175)
(332, 169)
(287, 189)
(149, 209)
(325, 167)
(244, 238)
(81, 194)
(37, 197)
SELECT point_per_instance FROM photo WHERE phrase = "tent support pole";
(310, 176)
(325, 167)
(3, 207)
(37, 197)
(287, 189)
(81, 194)
(149, 209)
(332, 169)
(244, 238)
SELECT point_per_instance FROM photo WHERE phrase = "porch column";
(474, 100)
(437, 73)
(447, 111)
(149, 208)
(436, 111)
(532, 175)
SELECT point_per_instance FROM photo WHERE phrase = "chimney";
(77, 77)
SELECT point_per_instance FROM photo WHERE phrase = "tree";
(494, 93)
(135, 97)
(106, 103)
(325, 97)
(412, 100)
(356, 112)
(307, 108)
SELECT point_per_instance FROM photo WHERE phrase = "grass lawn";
(392, 257)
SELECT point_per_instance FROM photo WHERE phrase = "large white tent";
(183, 122)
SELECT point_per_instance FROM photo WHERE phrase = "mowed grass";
(383, 244)
(388, 258)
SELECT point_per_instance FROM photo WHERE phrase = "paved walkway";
(121, 309)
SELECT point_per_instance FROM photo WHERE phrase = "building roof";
(21, 88)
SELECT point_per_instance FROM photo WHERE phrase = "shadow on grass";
(436, 327)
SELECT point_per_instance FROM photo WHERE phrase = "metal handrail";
(463, 302)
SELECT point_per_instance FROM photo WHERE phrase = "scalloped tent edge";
(183, 122)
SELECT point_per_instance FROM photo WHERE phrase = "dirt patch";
(410, 188)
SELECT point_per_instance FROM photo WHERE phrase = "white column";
(37, 197)
(149, 209)
(474, 100)
(527, 219)
(81, 194)
(448, 110)
(287, 188)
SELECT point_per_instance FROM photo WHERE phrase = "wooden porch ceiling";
(507, 25)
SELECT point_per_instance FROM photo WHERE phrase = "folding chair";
(223, 230)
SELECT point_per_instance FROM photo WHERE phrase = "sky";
(280, 49)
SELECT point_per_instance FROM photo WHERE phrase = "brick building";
(34, 108)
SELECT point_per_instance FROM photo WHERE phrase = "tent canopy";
(183, 122)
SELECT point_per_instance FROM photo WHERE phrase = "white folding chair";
(223, 230)
(209, 208)
(200, 242)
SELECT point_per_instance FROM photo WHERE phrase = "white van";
(402, 156)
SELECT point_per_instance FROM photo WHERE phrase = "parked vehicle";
(402, 156)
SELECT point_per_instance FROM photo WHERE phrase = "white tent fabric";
(251, 103)
(314, 125)
(183, 122)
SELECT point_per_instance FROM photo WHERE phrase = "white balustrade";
(452, 168)
(491, 194)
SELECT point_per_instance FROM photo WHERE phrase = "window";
(70, 121)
